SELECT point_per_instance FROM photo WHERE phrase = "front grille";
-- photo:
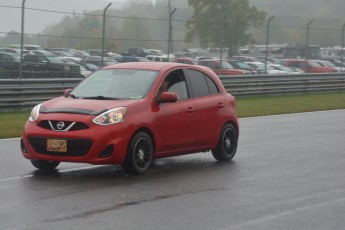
(67, 125)
(75, 147)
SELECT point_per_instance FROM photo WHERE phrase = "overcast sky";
(36, 21)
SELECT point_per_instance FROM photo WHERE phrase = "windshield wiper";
(102, 98)
(72, 96)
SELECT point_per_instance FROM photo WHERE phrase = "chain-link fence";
(147, 25)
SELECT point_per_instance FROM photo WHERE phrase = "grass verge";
(12, 123)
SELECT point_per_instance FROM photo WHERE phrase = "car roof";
(151, 65)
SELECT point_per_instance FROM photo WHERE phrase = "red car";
(131, 114)
(309, 66)
(222, 67)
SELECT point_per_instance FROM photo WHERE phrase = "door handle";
(220, 105)
(190, 110)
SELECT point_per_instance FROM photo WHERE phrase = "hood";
(82, 106)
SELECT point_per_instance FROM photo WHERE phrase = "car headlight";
(34, 113)
(110, 117)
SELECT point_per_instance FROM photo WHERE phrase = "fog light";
(23, 147)
(107, 152)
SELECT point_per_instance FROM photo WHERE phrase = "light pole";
(103, 32)
(342, 48)
(22, 41)
(170, 46)
(307, 50)
(222, 36)
(267, 41)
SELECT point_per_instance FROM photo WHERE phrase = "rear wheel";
(45, 165)
(139, 156)
(227, 144)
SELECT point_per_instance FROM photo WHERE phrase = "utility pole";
(222, 36)
(22, 41)
(103, 32)
(170, 45)
(342, 48)
(307, 50)
(267, 41)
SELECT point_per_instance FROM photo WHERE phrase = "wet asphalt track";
(288, 174)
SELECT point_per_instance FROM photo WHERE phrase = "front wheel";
(227, 144)
(45, 165)
(139, 156)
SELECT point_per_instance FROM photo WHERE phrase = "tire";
(139, 156)
(45, 165)
(227, 144)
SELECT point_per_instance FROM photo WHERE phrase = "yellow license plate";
(54, 145)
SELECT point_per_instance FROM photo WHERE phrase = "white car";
(261, 66)
(285, 68)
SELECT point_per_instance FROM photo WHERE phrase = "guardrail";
(18, 94)
(283, 84)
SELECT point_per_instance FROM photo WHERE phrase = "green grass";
(271, 105)
(12, 123)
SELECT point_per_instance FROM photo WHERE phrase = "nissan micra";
(132, 114)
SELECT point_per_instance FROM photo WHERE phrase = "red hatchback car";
(131, 114)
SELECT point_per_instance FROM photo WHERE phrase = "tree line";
(195, 23)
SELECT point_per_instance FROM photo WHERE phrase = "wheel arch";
(148, 132)
(235, 124)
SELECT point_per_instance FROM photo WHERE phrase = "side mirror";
(67, 92)
(168, 97)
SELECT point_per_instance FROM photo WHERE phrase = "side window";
(175, 82)
(211, 85)
(198, 83)
(303, 65)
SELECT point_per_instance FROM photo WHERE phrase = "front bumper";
(95, 144)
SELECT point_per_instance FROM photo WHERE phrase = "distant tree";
(236, 17)
(11, 37)
(134, 34)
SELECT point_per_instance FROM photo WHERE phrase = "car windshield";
(54, 59)
(226, 65)
(15, 57)
(314, 64)
(130, 84)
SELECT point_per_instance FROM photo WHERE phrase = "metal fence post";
(267, 41)
(103, 32)
(22, 41)
(342, 48)
(307, 50)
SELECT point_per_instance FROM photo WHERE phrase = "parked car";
(63, 54)
(309, 66)
(244, 66)
(14, 51)
(97, 61)
(288, 70)
(52, 66)
(186, 61)
(132, 59)
(73, 52)
(222, 67)
(140, 52)
(259, 66)
(161, 58)
(10, 63)
(325, 63)
(131, 114)
(42, 52)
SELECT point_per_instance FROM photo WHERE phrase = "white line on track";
(60, 171)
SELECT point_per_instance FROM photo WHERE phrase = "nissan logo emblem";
(60, 125)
